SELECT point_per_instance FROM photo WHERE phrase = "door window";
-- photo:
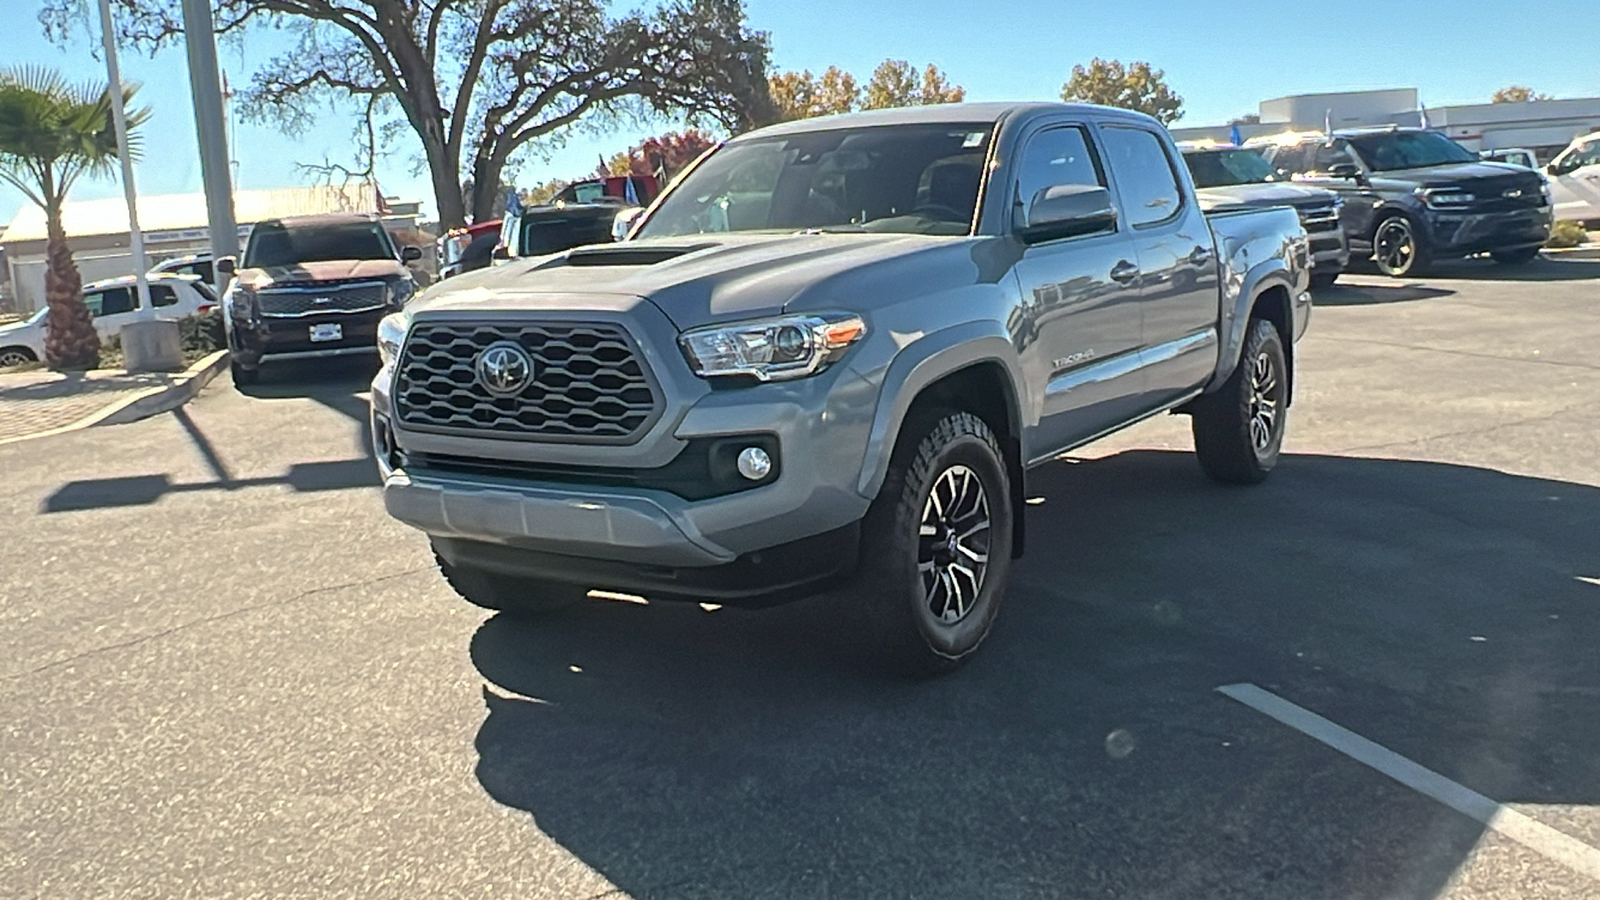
(1335, 154)
(1582, 155)
(1294, 159)
(162, 295)
(1146, 177)
(109, 302)
(1054, 157)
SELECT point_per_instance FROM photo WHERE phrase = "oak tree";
(1516, 93)
(1135, 86)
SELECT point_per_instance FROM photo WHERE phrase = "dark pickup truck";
(833, 350)
(311, 287)
(1413, 196)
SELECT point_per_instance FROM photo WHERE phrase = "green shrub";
(1567, 234)
(202, 333)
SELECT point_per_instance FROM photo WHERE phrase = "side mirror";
(1069, 210)
(501, 253)
(410, 254)
(226, 265)
(1345, 170)
(623, 223)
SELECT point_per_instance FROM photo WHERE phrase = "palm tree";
(51, 134)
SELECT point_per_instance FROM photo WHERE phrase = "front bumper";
(1330, 252)
(1456, 234)
(286, 338)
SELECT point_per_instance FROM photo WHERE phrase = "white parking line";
(1535, 835)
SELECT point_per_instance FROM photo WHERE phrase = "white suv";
(113, 303)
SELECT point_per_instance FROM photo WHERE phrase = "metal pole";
(119, 121)
(210, 127)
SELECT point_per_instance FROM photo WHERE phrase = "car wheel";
(1398, 249)
(242, 376)
(1321, 281)
(937, 544)
(15, 356)
(1238, 430)
(503, 593)
(1518, 257)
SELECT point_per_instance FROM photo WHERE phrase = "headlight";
(400, 291)
(1446, 197)
(391, 334)
(771, 349)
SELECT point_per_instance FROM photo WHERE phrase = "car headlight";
(1446, 197)
(771, 349)
(400, 291)
(391, 335)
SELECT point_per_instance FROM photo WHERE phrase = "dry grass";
(1567, 234)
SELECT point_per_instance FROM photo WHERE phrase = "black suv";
(542, 230)
(1413, 196)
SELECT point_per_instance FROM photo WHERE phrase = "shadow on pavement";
(1344, 294)
(1538, 270)
(1084, 752)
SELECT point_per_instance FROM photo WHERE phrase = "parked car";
(1575, 180)
(311, 287)
(1228, 177)
(113, 303)
(468, 249)
(1413, 196)
(1515, 156)
(196, 264)
(542, 230)
(833, 350)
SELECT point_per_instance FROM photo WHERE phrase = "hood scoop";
(625, 256)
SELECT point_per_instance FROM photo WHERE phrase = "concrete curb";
(1586, 251)
(157, 400)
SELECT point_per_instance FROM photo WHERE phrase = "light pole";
(199, 34)
(119, 121)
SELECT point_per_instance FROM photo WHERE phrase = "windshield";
(276, 244)
(1409, 150)
(1225, 168)
(907, 179)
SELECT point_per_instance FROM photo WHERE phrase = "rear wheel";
(937, 544)
(1518, 257)
(503, 593)
(1398, 249)
(15, 356)
(1238, 431)
(243, 376)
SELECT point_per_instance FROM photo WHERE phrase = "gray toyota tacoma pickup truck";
(826, 359)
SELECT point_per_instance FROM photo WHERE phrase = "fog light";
(754, 463)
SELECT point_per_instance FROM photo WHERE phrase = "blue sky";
(1223, 56)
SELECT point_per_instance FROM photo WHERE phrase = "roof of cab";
(940, 114)
(338, 218)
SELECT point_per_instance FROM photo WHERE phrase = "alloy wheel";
(13, 358)
(1395, 246)
(953, 544)
(1264, 401)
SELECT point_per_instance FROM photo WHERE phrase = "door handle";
(1199, 256)
(1124, 272)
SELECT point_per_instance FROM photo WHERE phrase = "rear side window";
(1056, 156)
(161, 295)
(110, 301)
(1296, 160)
(1145, 175)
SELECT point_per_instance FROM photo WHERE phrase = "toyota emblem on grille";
(504, 368)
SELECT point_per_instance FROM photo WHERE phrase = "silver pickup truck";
(827, 357)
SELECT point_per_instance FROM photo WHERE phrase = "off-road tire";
(897, 588)
(503, 593)
(1321, 281)
(1393, 233)
(243, 377)
(1519, 257)
(1231, 439)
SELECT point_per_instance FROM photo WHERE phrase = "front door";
(1178, 291)
(1575, 183)
(1077, 331)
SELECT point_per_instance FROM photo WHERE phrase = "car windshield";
(276, 244)
(1409, 150)
(1225, 168)
(907, 179)
(544, 233)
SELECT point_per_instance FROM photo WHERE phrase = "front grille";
(316, 299)
(588, 383)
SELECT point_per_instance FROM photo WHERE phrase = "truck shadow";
(691, 753)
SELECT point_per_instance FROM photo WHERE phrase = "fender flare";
(1264, 276)
(923, 362)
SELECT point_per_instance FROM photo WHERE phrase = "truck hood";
(695, 279)
(314, 272)
(1460, 173)
(1253, 196)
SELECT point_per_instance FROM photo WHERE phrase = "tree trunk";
(70, 340)
(445, 172)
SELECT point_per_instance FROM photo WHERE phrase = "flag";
(1422, 110)
(513, 203)
(629, 193)
(1236, 136)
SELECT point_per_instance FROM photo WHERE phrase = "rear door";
(1077, 330)
(1178, 291)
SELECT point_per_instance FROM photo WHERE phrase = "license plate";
(327, 332)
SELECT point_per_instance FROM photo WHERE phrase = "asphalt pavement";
(224, 672)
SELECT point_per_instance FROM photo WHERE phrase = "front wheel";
(1238, 431)
(1398, 249)
(1518, 257)
(243, 377)
(14, 356)
(937, 544)
(503, 593)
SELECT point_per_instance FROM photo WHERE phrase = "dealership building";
(1543, 126)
